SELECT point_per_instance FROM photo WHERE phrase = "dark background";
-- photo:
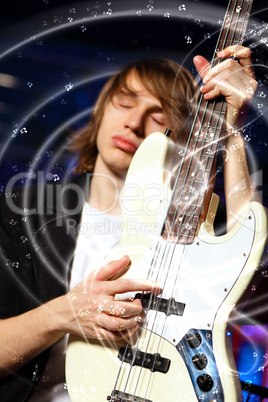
(55, 56)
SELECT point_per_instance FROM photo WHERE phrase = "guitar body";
(205, 279)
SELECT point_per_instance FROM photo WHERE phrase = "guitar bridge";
(168, 306)
(146, 360)
(118, 396)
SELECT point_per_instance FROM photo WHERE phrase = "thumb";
(202, 65)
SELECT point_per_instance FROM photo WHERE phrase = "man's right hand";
(91, 310)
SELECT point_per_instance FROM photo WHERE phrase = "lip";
(124, 143)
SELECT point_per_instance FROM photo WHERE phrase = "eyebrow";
(134, 94)
(126, 92)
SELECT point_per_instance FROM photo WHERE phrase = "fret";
(205, 133)
(178, 228)
(175, 235)
(182, 217)
(189, 215)
(206, 127)
(201, 161)
(190, 208)
(192, 174)
(173, 238)
(248, 2)
(197, 148)
(189, 182)
(199, 158)
(187, 232)
(196, 207)
(194, 210)
(182, 183)
(211, 116)
(185, 237)
(245, 1)
(228, 42)
(181, 207)
(190, 197)
(196, 156)
(192, 188)
(212, 107)
(220, 106)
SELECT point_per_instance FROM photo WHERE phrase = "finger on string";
(123, 308)
(240, 52)
(221, 68)
(133, 285)
(117, 323)
(223, 88)
(118, 268)
(224, 84)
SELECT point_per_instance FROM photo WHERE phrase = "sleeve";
(16, 276)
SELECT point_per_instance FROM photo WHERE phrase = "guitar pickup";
(168, 306)
(118, 396)
(146, 360)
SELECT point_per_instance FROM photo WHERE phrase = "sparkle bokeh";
(54, 58)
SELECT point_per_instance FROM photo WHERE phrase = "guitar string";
(149, 274)
(200, 155)
(129, 373)
(156, 253)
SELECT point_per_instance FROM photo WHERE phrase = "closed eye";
(125, 105)
(123, 100)
(158, 118)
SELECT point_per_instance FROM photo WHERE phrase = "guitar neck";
(194, 173)
(235, 24)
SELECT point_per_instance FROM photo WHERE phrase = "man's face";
(128, 118)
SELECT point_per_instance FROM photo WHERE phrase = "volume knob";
(205, 382)
(200, 361)
(193, 339)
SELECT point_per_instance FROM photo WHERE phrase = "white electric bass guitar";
(182, 351)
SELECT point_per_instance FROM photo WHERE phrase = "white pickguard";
(209, 276)
(200, 275)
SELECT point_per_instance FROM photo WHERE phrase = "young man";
(147, 96)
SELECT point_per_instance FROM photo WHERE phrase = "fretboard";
(194, 173)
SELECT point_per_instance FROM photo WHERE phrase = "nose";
(135, 122)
